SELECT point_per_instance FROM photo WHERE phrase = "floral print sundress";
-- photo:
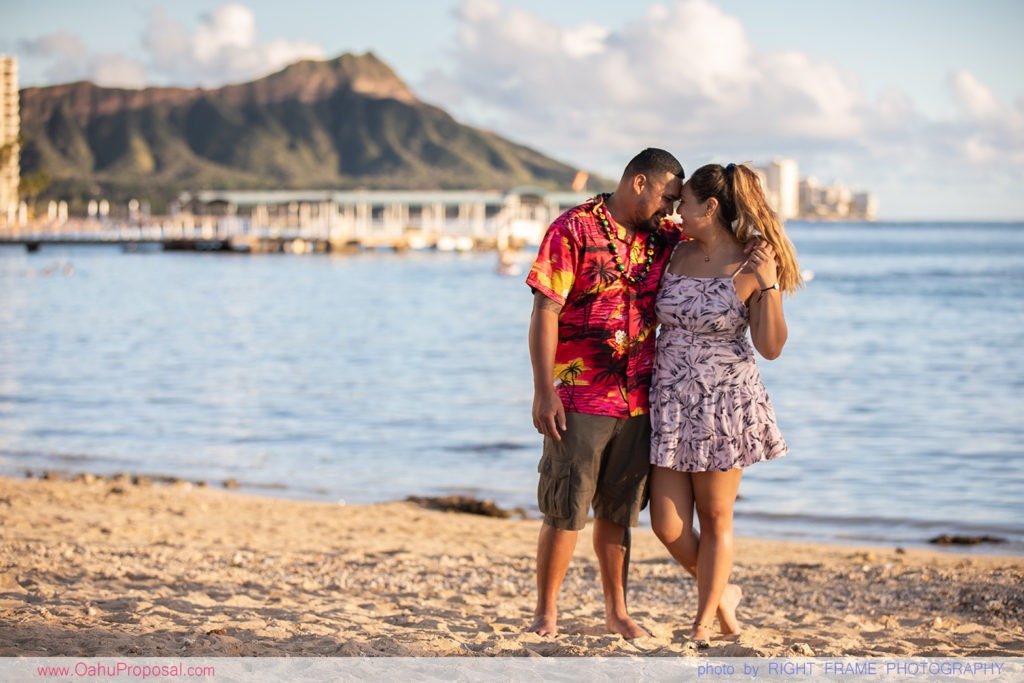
(709, 408)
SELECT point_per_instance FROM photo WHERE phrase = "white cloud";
(227, 28)
(585, 41)
(60, 45)
(117, 71)
(65, 53)
(685, 76)
(70, 61)
(166, 41)
(988, 131)
(973, 97)
(978, 150)
(894, 110)
(223, 47)
(681, 70)
(692, 48)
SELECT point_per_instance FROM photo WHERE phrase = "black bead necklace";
(614, 251)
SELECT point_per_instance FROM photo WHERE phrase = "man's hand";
(549, 414)
(548, 411)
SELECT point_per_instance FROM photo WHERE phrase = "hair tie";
(730, 168)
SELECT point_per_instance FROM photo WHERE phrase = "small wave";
(869, 529)
(493, 447)
(30, 457)
(934, 274)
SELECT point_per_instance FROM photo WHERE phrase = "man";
(592, 335)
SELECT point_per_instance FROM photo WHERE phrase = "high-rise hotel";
(791, 196)
(780, 179)
(10, 150)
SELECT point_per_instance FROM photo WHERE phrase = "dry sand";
(108, 568)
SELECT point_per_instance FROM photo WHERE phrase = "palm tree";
(568, 377)
(614, 369)
(604, 273)
(34, 185)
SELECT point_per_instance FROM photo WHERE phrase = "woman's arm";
(768, 329)
(767, 323)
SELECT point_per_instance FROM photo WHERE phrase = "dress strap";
(742, 266)
(668, 263)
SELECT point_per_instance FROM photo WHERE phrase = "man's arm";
(548, 411)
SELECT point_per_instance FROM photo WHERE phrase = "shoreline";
(960, 538)
(104, 568)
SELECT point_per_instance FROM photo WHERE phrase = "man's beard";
(651, 224)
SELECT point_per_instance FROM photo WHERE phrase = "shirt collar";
(619, 231)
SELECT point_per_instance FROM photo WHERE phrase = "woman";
(710, 413)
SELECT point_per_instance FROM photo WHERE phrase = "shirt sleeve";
(554, 271)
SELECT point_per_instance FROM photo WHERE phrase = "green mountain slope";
(345, 123)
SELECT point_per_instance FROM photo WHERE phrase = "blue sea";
(375, 376)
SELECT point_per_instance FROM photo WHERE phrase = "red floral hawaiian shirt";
(606, 329)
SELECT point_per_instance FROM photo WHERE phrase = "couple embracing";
(629, 415)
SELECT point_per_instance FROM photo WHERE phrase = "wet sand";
(98, 567)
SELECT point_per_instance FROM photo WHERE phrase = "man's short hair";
(653, 161)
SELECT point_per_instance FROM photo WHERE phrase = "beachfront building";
(784, 183)
(835, 202)
(10, 150)
(807, 199)
(781, 179)
(409, 219)
(864, 206)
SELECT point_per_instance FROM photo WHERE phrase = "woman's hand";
(762, 263)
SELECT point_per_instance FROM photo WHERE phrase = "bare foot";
(544, 625)
(700, 637)
(625, 627)
(727, 610)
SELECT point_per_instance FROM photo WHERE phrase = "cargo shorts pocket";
(554, 489)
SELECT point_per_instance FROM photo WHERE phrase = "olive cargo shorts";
(601, 461)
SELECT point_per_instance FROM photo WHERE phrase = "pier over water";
(315, 221)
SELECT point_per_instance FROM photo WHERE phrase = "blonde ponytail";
(743, 209)
(754, 215)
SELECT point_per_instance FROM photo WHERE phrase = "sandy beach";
(107, 567)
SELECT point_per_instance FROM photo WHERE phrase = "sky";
(920, 102)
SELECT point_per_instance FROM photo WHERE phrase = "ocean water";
(375, 376)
